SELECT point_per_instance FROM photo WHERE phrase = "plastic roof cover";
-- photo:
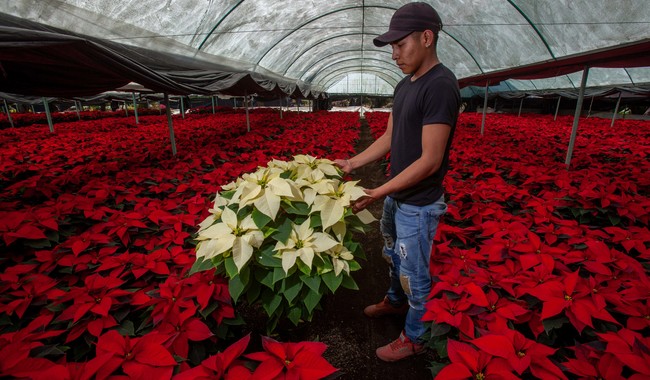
(329, 43)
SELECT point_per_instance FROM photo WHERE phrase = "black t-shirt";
(434, 98)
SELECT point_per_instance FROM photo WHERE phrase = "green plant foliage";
(284, 237)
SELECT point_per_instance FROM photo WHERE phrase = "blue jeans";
(408, 233)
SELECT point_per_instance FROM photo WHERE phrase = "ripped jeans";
(408, 233)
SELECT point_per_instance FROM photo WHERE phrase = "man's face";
(409, 52)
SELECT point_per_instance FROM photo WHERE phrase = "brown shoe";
(399, 349)
(385, 308)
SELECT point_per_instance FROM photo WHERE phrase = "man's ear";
(428, 38)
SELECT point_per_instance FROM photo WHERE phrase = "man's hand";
(365, 201)
(344, 165)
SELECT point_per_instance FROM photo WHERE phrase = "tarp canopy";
(302, 46)
(40, 60)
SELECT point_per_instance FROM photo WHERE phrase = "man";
(418, 136)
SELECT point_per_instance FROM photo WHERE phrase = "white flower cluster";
(314, 182)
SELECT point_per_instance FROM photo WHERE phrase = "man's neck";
(426, 65)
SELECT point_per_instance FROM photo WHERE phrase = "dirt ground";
(351, 337)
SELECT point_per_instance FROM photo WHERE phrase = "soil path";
(351, 337)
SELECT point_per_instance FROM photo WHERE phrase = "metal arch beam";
(349, 8)
(332, 82)
(344, 71)
(320, 59)
(464, 48)
(323, 41)
(629, 76)
(389, 69)
(532, 24)
(363, 34)
(217, 24)
(347, 69)
(334, 75)
(353, 68)
(315, 19)
(338, 77)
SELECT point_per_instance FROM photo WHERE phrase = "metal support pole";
(234, 102)
(48, 114)
(484, 107)
(11, 121)
(126, 109)
(521, 103)
(168, 111)
(135, 108)
(76, 108)
(213, 107)
(32, 107)
(557, 109)
(298, 104)
(281, 105)
(590, 104)
(618, 103)
(180, 100)
(495, 103)
(248, 120)
(576, 117)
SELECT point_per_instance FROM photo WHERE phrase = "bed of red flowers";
(96, 224)
(27, 119)
(542, 271)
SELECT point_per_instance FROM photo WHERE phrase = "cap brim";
(390, 37)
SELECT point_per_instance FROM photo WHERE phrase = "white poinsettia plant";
(284, 236)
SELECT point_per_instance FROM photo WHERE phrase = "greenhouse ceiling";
(328, 44)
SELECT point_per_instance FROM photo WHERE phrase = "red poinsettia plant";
(96, 223)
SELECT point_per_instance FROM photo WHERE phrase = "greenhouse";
(187, 190)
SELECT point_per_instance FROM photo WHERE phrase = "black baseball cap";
(412, 17)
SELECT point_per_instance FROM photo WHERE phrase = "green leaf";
(291, 288)
(264, 277)
(201, 265)
(294, 315)
(303, 267)
(205, 313)
(440, 346)
(278, 274)
(554, 323)
(348, 282)
(439, 329)
(270, 301)
(354, 266)
(38, 244)
(283, 231)
(315, 221)
(435, 368)
(311, 300)
(231, 268)
(297, 208)
(614, 219)
(238, 284)
(127, 328)
(260, 219)
(253, 292)
(266, 258)
(332, 281)
(313, 282)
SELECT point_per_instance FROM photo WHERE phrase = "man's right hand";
(344, 165)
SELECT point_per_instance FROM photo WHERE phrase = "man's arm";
(434, 142)
(375, 151)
